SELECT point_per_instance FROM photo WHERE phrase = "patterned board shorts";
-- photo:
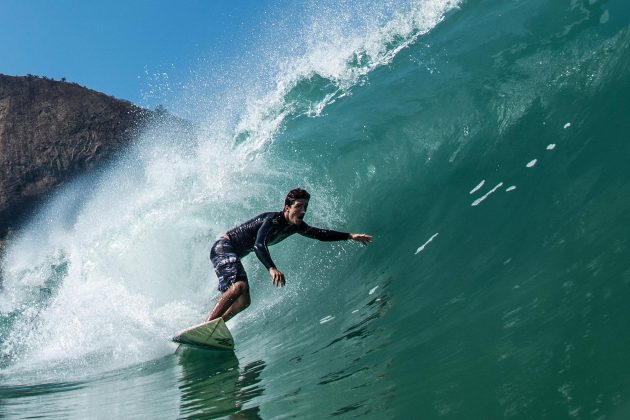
(226, 264)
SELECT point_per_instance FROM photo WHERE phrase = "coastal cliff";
(51, 131)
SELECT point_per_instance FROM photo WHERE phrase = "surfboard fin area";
(212, 335)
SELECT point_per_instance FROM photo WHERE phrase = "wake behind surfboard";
(211, 335)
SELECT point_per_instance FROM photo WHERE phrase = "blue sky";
(117, 47)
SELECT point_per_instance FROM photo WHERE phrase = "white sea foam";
(339, 54)
(551, 146)
(532, 163)
(486, 195)
(423, 246)
(474, 190)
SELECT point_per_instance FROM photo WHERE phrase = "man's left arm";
(328, 235)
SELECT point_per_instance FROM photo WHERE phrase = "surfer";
(256, 235)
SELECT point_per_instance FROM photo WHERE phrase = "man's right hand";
(277, 277)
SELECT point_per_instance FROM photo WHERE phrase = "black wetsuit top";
(270, 228)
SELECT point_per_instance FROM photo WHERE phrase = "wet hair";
(296, 194)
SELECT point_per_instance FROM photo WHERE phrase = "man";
(256, 235)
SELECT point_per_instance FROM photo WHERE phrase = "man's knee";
(241, 288)
(243, 292)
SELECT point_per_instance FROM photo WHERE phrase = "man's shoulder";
(269, 215)
(276, 217)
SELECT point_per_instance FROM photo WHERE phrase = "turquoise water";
(482, 143)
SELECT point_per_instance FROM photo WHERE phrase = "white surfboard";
(213, 335)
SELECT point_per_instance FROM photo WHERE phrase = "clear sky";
(117, 47)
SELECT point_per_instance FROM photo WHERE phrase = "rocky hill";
(49, 132)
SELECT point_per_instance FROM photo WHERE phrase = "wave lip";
(335, 59)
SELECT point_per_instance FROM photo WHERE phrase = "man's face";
(295, 213)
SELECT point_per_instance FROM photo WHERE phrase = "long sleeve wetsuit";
(269, 229)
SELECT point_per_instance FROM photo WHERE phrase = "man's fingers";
(362, 238)
(278, 279)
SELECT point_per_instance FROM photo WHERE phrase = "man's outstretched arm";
(332, 235)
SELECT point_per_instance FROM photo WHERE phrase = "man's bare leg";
(237, 296)
(239, 304)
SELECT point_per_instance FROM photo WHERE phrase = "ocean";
(480, 142)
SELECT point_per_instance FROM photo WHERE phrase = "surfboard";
(211, 335)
